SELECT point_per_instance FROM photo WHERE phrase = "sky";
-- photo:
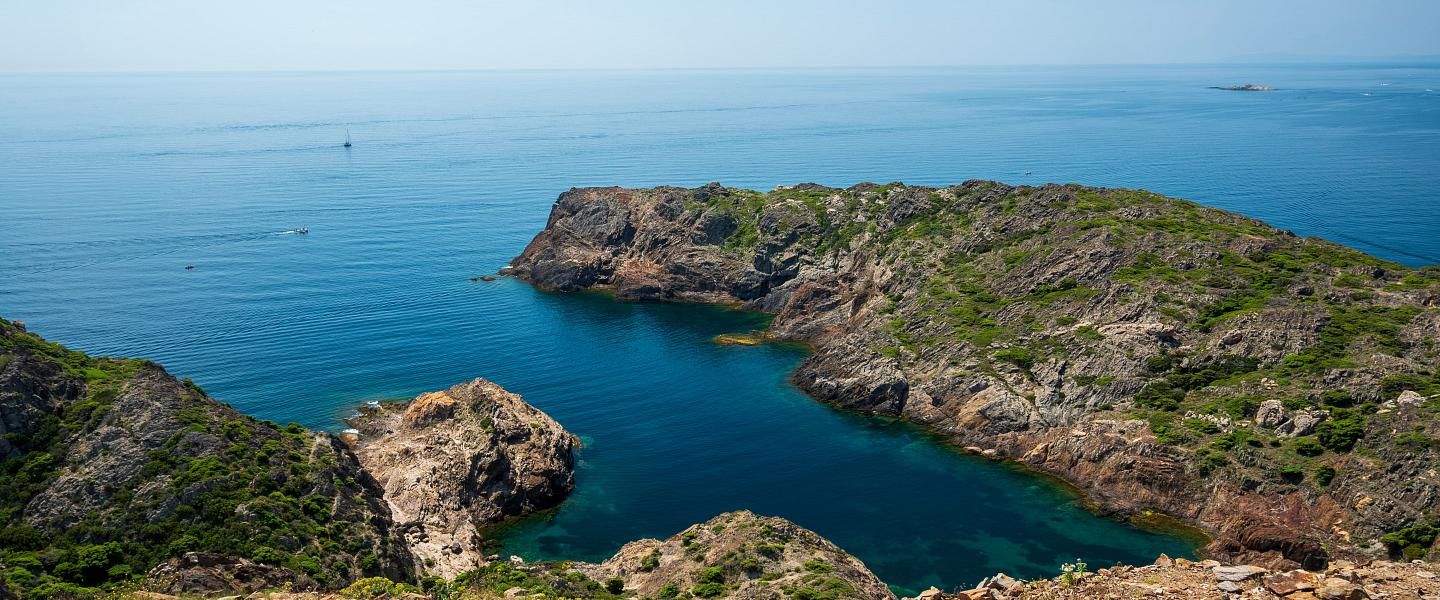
(226, 35)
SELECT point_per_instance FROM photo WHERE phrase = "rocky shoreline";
(383, 511)
(1120, 340)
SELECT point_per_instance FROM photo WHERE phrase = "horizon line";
(1413, 59)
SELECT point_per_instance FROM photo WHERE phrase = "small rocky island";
(1164, 357)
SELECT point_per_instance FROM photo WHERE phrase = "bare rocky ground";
(455, 461)
(1209, 580)
(795, 574)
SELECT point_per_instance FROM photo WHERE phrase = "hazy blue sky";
(104, 35)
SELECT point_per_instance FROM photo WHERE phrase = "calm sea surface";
(111, 184)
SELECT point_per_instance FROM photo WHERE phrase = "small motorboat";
(299, 230)
(188, 267)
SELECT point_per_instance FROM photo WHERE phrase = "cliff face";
(1160, 355)
(454, 461)
(740, 555)
(114, 465)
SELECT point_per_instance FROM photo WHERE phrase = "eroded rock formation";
(454, 461)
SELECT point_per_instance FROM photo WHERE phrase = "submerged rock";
(739, 339)
(454, 461)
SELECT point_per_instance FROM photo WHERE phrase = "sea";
(151, 215)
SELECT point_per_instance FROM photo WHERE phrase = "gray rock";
(1409, 398)
(1270, 414)
(1302, 423)
(1238, 573)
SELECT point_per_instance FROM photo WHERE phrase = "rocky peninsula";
(1164, 357)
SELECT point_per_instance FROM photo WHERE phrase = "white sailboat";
(347, 137)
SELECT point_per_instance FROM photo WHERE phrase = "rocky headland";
(115, 471)
(452, 462)
(1164, 357)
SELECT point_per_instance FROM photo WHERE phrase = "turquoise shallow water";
(111, 184)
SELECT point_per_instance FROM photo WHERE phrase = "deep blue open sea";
(111, 184)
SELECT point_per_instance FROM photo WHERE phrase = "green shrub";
(1208, 461)
(1019, 357)
(816, 566)
(710, 575)
(1412, 542)
(1337, 399)
(1399, 382)
(373, 587)
(1202, 426)
(708, 590)
(1307, 447)
(1163, 426)
(1344, 428)
(650, 561)
(1160, 395)
(1416, 440)
(1324, 474)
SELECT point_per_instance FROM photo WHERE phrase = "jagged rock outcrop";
(744, 556)
(113, 466)
(453, 461)
(1071, 329)
(205, 573)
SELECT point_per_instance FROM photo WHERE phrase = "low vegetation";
(266, 492)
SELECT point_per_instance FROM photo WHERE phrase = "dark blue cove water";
(111, 185)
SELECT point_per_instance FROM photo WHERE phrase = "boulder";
(1237, 573)
(1270, 414)
(1290, 582)
(1302, 423)
(1335, 588)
